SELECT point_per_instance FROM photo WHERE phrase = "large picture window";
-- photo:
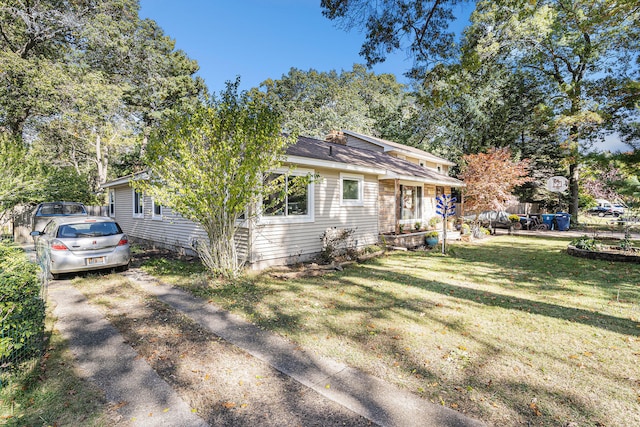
(292, 202)
(351, 190)
(138, 207)
(411, 202)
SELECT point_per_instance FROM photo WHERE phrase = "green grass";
(511, 330)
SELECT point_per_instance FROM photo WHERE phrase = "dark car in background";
(76, 243)
(46, 211)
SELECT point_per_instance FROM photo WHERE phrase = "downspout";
(398, 206)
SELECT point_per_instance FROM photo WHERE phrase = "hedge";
(22, 307)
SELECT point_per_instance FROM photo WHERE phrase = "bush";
(22, 309)
(585, 243)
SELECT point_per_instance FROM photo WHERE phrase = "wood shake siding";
(387, 203)
(292, 242)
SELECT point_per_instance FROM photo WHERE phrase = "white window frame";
(420, 212)
(112, 203)
(135, 207)
(352, 177)
(156, 216)
(292, 219)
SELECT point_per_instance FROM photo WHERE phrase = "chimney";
(336, 137)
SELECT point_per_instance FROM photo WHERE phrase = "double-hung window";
(351, 190)
(156, 213)
(138, 204)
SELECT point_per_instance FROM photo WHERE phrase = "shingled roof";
(385, 165)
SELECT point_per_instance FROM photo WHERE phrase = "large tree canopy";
(573, 46)
(82, 82)
(314, 103)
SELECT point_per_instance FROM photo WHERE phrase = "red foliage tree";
(491, 177)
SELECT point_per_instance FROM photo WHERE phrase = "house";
(365, 184)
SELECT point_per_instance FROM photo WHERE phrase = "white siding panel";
(173, 231)
(280, 243)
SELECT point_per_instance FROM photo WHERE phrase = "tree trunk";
(573, 190)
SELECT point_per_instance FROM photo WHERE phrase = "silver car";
(73, 244)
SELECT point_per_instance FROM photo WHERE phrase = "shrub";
(585, 243)
(22, 309)
(337, 242)
(434, 220)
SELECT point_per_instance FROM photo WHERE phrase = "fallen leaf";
(327, 386)
(229, 405)
(165, 410)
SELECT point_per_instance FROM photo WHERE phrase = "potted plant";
(431, 238)
(418, 225)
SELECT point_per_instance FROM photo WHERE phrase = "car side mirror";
(36, 233)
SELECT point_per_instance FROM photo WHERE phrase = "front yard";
(510, 330)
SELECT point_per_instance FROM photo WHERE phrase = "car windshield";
(95, 229)
(62, 209)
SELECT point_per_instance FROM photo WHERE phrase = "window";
(351, 190)
(292, 202)
(439, 191)
(411, 207)
(138, 198)
(112, 203)
(157, 211)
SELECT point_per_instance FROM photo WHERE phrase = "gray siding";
(359, 143)
(172, 231)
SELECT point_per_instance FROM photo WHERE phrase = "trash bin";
(548, 219)
(563, 220)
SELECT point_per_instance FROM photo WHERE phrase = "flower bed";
(607, 253)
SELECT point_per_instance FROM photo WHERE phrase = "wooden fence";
(18, 222)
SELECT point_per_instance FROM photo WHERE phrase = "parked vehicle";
(606, 208)
(45, 211)
(74, 244)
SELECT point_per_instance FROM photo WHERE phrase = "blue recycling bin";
(563, 220)
(548, 219)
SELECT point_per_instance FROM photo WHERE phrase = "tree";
(572, 46)
(490, 179)
(314, 103)
(388, 23)
(208, 165)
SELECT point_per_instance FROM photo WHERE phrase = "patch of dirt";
(225, 385)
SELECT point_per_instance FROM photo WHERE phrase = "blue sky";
(261, 39)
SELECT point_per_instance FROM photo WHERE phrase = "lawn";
(510, 330)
